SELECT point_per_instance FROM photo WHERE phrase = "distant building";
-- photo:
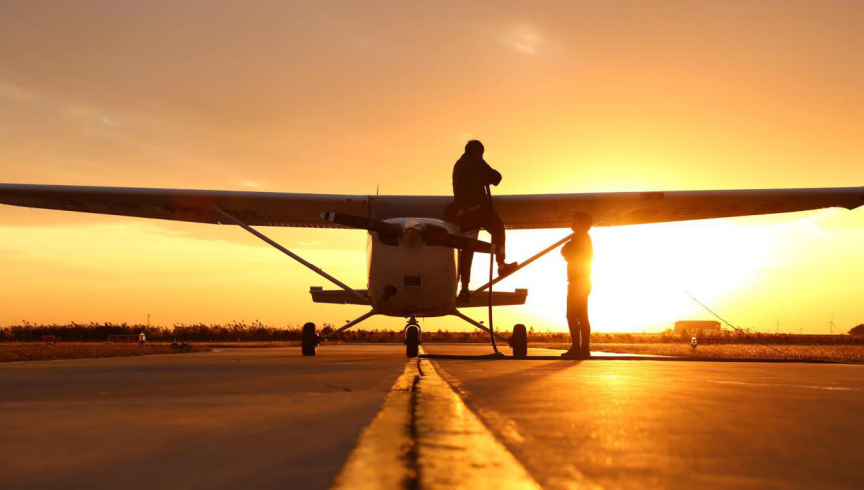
(698, 327)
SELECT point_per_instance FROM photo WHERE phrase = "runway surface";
(360, 416)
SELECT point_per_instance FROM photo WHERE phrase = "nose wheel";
(412, 338)
(519, 341)
(309, 340)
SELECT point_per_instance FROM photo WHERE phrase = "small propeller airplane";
(411, 247)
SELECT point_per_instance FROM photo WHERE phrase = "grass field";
(32, 351)
(252, 345)
(850, 354)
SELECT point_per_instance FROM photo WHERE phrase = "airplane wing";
(254, 208)
(517, 211)
(632, 208)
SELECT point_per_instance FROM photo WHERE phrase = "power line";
(709, 310)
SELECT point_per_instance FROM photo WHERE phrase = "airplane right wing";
(199, 206)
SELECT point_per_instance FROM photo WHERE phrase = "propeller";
(437, 235)
(390, 233)
(351, 221)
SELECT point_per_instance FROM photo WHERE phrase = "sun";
(641, 275)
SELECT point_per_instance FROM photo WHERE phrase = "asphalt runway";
(253, 418)
(656, 424)
(362, 416)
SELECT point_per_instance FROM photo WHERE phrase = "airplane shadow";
(492, 357)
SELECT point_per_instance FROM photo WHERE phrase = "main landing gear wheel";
(309, 341)
(519, 341)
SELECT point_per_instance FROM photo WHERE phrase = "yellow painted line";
(381, 457)
(508, 431)
(426, 437)
(454, 448)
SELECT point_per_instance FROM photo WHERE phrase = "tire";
(412, 341)
(519, 341)
(309, 341)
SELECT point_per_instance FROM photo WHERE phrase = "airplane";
(411, 247)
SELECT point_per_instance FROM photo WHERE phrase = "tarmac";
(364, 416)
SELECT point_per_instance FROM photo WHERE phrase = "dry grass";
(250, 345)
(848, 354)
(32, 351)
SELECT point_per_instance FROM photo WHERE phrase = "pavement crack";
(341, 388)
(453, 446)
(412, 477)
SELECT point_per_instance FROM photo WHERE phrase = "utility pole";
(148, 320)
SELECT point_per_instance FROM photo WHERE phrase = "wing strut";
(540, 254)
(477, 324)
(349, 324)
(523, 264)
(290, 254)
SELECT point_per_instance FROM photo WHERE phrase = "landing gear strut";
(412, 338)
(309, 340)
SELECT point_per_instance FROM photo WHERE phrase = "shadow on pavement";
(619, 358)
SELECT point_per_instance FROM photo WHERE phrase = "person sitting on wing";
(473, 210)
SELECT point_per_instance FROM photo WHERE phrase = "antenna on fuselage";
(377, 187)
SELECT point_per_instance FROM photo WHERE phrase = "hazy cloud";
(524, 39)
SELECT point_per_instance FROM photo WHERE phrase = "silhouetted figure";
(578, 253)
(472, 209)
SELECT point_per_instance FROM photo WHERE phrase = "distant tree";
(857, 330)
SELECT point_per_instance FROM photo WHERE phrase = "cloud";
(65, 108)
(524, 39)
(15, 93)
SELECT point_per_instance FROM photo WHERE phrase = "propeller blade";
(388, 232)
(361, 223)
(434, 235)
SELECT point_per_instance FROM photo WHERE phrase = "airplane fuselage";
(407, 277)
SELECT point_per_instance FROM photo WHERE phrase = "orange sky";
(341, 97)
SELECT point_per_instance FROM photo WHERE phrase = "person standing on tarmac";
(578, 253)
(472, 209)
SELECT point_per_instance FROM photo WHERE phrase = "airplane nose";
(412, 236)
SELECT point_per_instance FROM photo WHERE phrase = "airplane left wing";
(254, 208)
(633, 208)
(531, 211)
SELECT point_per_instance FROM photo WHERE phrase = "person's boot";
(585, 352)
(464, 296)
(505, 269)
(573, 353)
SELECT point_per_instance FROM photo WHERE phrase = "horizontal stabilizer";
(338, 296)
(499, 298)
(342, 297)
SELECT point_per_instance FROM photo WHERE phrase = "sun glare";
(641, 275)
